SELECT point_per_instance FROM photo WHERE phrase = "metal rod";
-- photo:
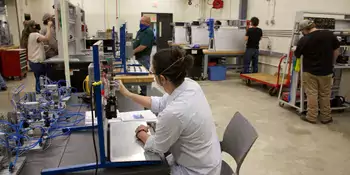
(64, 28)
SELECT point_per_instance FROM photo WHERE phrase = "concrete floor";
(286, 145)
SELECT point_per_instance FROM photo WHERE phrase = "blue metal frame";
(99, 113)
(124, 65)
(122, 46)
(210, 23)
(98, 103)
(113, 45)
(92, 166)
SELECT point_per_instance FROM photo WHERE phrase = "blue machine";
(210, 23)
(124, 66)
(104, 163)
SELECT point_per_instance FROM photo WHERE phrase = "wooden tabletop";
(222, 52)
(133, 78)
(187, 45)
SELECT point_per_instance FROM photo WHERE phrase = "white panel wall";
(130, 10)
(192, 12)
(284, 19)
(100, 14)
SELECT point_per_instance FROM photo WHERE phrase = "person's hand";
(49, 23)
(141, 128)
(122, 88)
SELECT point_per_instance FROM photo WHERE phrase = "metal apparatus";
(294, 96)
(75, 20)
(181, 33)
(36, 120)
(105, 161)
(199, 33)
(128, 66)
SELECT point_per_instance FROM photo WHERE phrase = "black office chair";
(239, 137)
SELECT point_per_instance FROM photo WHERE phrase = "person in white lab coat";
(185, 126)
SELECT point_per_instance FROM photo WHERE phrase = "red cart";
(272, 81)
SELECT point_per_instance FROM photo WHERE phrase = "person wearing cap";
(319, 49)
(51, 47)
(143, 45)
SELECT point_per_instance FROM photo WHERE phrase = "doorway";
(161, 26)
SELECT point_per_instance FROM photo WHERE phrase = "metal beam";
(64, 18)
(243, 9)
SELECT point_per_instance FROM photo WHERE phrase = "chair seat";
(226, 169)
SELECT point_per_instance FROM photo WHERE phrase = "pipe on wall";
(243, 9)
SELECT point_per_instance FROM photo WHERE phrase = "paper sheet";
(145, 115)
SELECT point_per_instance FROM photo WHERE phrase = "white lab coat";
(186, 128)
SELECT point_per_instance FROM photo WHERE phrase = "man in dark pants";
(319, 49)
(253, 37)
(143, 45)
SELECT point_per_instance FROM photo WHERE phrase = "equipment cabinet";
(14, 63)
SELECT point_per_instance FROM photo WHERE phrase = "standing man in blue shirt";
(143, 45)
(253, 37)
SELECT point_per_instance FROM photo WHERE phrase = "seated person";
(185, 126)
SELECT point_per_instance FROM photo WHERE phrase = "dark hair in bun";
(173, 64)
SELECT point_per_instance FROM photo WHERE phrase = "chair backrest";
(239, 137)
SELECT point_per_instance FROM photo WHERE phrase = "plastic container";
(212, 64)
(217, 73)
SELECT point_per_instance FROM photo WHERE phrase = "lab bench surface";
(77, 149)
(138, 80)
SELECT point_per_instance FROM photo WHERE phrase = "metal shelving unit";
(5, 35)
(294, 95)
(76, 28)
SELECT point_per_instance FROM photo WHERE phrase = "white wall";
(192, 12)
(130, 10)
(99, 14)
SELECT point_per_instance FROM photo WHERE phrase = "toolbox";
(14, 63)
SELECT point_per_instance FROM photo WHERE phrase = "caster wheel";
(25, 75)
(202, 78)
(341, 111)
(264, 86)
(300, 113)
(273, 91)
(248, 82)
(281, 104)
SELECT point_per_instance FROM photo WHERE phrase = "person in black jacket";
(319, 49)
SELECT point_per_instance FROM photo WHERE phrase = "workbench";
(77, 148)
(212, 53)
(78, 65)
(196, 72)
(135, 80)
